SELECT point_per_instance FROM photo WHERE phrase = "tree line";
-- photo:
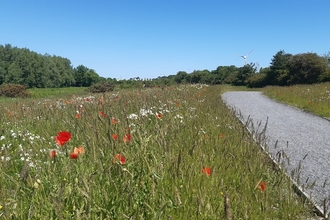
(25, 67)
(285, 69)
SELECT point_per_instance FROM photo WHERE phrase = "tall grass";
(189, 158)
(56, 92)
(312, 98)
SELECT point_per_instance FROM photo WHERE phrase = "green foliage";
(25, 67)
(243, 74)
(256, 80)
(22, 66)
(84, 76)
(176, 133)
(306, 68)
(180, 77)
(102, 87)
(288, 69)
(14, 91)
(325, 77)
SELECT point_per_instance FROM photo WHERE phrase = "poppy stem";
(66, 151)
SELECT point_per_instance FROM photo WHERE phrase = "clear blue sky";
(150, 38)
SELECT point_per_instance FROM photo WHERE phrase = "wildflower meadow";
(158, 153)
(313, 98)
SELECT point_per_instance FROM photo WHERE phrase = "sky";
(125, 39)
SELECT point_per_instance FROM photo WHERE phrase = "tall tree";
(279, 69)
(243, 74)
(305, 68)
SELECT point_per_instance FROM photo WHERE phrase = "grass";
(189, 158)
(311, 98)
(56, 92)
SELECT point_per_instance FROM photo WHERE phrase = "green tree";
(90, 77)
(180, 77)
(306, 68)
(243, 74)
(14, 74)
(279, 69)
(258, 80)
(79, 73)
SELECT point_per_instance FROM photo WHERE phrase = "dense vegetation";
(25, 67)
(22, 66)
(129, 155)
(312, 98)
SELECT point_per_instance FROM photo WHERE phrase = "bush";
(14, 90)
(102, 87)
(256, 81)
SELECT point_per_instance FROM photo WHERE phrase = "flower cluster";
(61, 139)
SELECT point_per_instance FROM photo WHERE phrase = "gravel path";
(302, 137)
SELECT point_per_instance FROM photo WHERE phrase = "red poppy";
(120, 158)
(159, 115)
(74, 155)
(78, 115)
(102, 114)
(262, 186)
(114, 136)
(127, 138)
(79, 150)
(114, 121)
(52, 154)
(207, 171)
(62, 137)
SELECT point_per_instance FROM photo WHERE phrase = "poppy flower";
(79, 150)
(114, 136)
(207, 170)
(74, 155)
(127, 138)
(159, 115)
(120, 158)
(62, 137)
(262, 186)
(114, 121)
(52, 154)
(102, 114)
(78, 115)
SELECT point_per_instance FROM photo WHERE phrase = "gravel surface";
(298, 141)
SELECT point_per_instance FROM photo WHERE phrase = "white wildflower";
(133, 116)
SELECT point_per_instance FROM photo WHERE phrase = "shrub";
(14, 90)
(101, 87)
(256, 81)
